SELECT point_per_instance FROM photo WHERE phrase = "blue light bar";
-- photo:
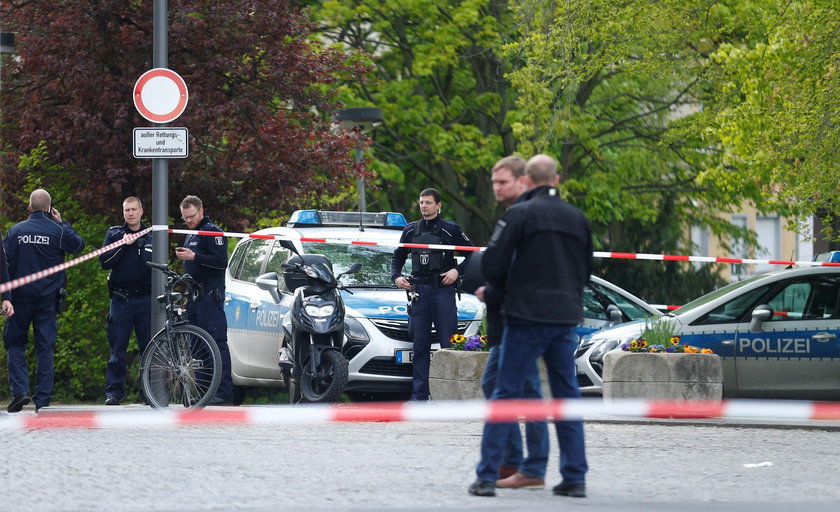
(395, 219)
(305, 217)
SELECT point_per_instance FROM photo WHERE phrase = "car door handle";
(254, 306)
(824, 336)
(227, 299)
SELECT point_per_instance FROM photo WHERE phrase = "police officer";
(435, 274)
(130, 289)
(205, 258)
(38, 243)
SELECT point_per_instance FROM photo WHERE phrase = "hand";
(403, 283)
(184, 253)
(55, 214)
(479, 292)
(8, 309)
(449, 277)
(129, 241)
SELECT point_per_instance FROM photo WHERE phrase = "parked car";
(376, 323)
(776, 335)
(607, 305)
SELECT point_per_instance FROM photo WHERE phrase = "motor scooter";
(310, 358)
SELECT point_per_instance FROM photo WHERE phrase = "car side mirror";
(760, 314)
(614, 314)
(270, 282)
(288, 244)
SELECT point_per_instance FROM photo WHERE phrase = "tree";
(773, 107)
(258, 115)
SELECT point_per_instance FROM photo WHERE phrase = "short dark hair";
(192, 201)
(514, 163)
(431, 192)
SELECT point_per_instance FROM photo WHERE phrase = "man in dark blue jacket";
(130, 289)
(540, 255)
(435, 275)
(205, 258)
(38, 243)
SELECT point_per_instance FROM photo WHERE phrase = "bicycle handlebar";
(160, 266)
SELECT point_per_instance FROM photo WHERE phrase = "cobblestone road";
(407, 466)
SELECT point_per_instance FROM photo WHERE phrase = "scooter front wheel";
(329, 380)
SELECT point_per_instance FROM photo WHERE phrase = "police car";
(376, 323)
(776, 335)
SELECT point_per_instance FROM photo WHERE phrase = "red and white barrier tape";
(16, 283)
(463, 248)
(469, 248)
(471, 410)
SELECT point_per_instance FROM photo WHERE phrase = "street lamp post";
(360, 120)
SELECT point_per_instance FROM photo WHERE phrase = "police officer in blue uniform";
(38, 243)
(435, 275)
(205, 258)
(130, 289)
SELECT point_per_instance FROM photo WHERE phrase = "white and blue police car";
(776, 335)
(376, 342)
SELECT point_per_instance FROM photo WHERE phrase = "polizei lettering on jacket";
(34, 239)
(774, 346)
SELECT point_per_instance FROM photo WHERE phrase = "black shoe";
(577, 490)
(112, 400)
(38, 408)
(217, 400)
(483, 488)
(17, 403)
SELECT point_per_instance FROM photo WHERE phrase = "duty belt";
(125, 293)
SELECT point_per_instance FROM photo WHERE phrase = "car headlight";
(319, 311)
(601, 350)
(354, 330)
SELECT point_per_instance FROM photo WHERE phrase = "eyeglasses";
(190, 217)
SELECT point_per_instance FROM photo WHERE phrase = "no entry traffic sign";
(160, 95)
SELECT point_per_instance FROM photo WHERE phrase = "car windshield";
(375, 260)
(709, 297)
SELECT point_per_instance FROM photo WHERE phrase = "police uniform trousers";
(209, 314)
(435, 305)
(522, 344)
(125, 315)
(42, 316)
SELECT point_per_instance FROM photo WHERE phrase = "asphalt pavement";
(635, 465)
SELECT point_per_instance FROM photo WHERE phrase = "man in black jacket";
(130, 289)
(205, 259)
(435, 273)
(540, 254)
(38, 243)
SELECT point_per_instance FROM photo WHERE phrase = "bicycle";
(182, 363)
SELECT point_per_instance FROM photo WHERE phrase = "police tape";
(470, 248)
(497, 411)
(15, 283)
(21, 281)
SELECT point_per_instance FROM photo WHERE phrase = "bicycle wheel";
(184, 369)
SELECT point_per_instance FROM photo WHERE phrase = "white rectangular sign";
(161, 143)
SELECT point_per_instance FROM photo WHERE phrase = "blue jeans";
(536, 432)
(435, 305)
(42, 317)
(522, 344)
(124, 316)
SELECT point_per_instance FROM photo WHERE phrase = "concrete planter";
(663, 376)
(456, 374)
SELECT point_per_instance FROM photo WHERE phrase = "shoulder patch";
(220, 240)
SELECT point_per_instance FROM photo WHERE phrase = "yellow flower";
(457, 338)
(643, 343)
(706, 351)
(675, 340)
(634, 344)
(483, 338)
(690, 350)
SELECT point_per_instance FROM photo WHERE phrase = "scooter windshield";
(323, 273)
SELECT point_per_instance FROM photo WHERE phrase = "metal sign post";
(160, 173)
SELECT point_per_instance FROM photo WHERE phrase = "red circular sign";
(160, 95)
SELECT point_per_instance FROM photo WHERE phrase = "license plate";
(402, 355)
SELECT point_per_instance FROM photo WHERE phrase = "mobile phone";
(179, 249)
